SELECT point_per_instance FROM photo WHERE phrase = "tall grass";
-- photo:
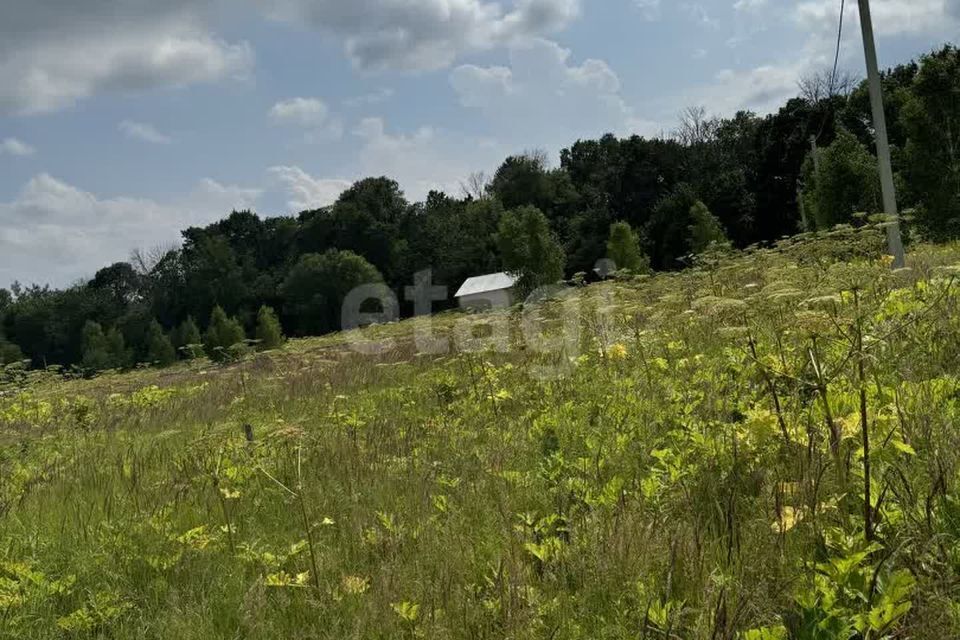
(698, 471)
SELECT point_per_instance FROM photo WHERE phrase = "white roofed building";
(492, 291)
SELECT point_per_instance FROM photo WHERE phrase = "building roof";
(486, 284)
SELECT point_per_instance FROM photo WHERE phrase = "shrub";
(9, 353)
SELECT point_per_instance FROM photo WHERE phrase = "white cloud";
(544, 99)
(762, 89)
(219, 199)
(749, 5)
(890, 17)
(14, 147)
(143, 132)
(305, 191)
(310, 114)
(424, 34)
(57, 233)
(934, 20)
(649, 9)
(306, 112)
(699, 14)
(424, 160)
(53, 56)
(765, 88)
(374, 97)
(421, 161)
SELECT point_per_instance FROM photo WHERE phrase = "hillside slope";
(670, 457)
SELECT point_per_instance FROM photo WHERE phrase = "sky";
(124, 121)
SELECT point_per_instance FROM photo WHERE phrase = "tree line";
(645, 203)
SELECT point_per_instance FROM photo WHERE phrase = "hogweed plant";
(760, 447)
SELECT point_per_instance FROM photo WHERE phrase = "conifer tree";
(96, 354)
(269, 332)
(120, 356)
(160, 351)
(187, 340)
(223, 333)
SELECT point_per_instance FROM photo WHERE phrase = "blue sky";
(125, 120)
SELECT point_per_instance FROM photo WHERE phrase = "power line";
(833, 78)
(836, 57)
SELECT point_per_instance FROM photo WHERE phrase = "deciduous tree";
(315, 289)
(847, 182)
(529, 249)
(932, 121)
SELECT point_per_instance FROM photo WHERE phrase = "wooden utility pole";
(883, 144)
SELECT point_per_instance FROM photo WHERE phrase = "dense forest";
(647, 203)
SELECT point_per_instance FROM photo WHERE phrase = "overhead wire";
(833, 74)
(836, 57)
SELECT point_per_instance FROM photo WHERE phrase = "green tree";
(846, 183)
(120, 281)
(453, 238)
(525, 180)
(366, 219)
(668, 230)
(96, 353)
(269, 332)
(623, 248)
(720, 170)
(160, 351)
(223, 335)
(705, 230)
(9, 352)
(212, 274)
(781, 145)
(120, 356)
(186, 339)
(857, 114)
(932, 121)
(529, 249)
(316, 287)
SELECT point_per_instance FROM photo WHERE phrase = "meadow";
(763, 446)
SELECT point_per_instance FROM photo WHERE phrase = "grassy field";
(688, 463)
